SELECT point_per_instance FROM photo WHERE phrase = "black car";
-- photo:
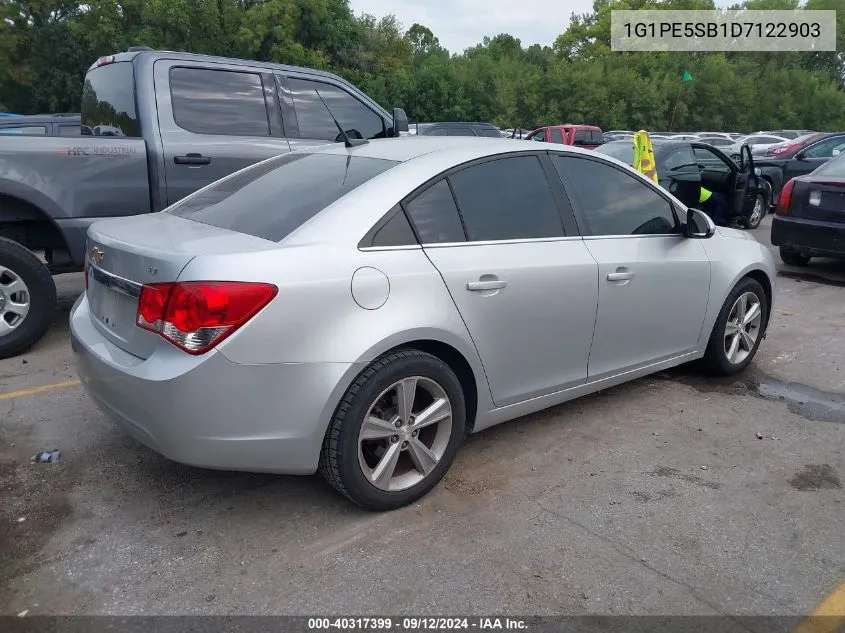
(458, 129)
(683, 167)
(810, 215)
(41, 125)
(800, 156)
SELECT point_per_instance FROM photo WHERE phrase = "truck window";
(221, 102)
(557, 136)
(108, 100)
(28, 130)
(70, 130)
(590, 137)
(315, 121)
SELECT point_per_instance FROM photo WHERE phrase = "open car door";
(745, 184)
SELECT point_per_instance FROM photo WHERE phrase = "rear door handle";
(192, 159)
(620, 276)
(493, 284)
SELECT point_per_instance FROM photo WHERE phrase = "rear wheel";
(395, 432)
(792, 258)
(739, 328)
(761, 206)
(27, 298)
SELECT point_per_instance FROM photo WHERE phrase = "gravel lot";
(655, 497)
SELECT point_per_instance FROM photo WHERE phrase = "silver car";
(359, 310)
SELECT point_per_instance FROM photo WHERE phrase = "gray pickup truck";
(156, 126)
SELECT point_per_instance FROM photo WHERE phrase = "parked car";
(787, 134)
(365, 308)
(162, 125)
(41, 125)
(459, 129)
(757, 142)
(799, 156)
(616, 135)
(810, 215)
(683, 167)
(717, 141)
(586, 136)
(685, 137)
(724, 135)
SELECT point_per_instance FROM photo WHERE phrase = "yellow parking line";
(829, 616)
(34, 391)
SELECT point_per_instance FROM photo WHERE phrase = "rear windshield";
(589, 137)
(108, 101)
(832, 169)
(623, 151)
(490, 132)
(272, 199)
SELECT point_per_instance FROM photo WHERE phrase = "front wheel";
(396, 431)
(757, 214)
(27, 298)
(739, 329)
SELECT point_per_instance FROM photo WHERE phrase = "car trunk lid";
(821, 200)
(126, 253)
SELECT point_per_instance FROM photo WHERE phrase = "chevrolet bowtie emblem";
(97, 254)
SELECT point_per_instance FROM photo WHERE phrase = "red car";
(586, 136)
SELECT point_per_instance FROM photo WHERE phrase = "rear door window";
(273, 198)
(357, 119)
(557, 136)
(220, 102)
(108, 100)
(493, 209)
(435, 215)
(70, 130)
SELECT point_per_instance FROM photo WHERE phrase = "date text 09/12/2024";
(416, 624)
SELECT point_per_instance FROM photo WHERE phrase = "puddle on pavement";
(808, 402)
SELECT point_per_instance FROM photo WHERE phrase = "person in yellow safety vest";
(644, 155)
(714, 204)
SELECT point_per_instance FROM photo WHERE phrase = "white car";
(758, 143)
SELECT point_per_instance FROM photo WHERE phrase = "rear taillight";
(197, 315)
(783, 148)
(785, 198)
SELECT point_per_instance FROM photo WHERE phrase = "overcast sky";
(460, 24)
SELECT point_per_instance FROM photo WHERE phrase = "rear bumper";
(810, 237)
(208, 411)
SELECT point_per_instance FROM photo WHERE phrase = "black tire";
(339, 463)
(792, 258)
(764, 210)
(715, 358)
(42, 297)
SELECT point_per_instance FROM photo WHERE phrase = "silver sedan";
(360, 310)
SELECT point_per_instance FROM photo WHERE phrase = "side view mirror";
(699, 226)
(400, 121)
(800, 156)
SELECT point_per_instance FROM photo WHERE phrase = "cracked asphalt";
(651, 498)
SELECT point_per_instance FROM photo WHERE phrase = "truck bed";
(73, 180)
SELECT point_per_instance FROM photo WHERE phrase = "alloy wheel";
(405, 433)
(743, 327)
(757, 213)
(14, 300)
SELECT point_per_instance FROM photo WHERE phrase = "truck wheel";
(27, 298)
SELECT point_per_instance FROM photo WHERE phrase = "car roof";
(407, 148)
